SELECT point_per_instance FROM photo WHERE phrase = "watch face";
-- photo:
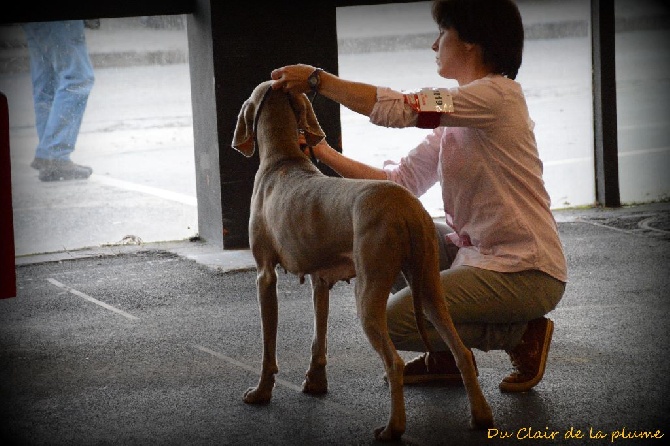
(313, 80)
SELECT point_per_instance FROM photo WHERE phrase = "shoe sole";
(447, 379)
(527, 385)
(433, 379)
(52, 178)
(43, 164)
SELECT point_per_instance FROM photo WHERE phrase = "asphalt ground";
(156, 344)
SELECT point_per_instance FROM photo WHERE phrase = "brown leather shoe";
(529, 358)
(436, 367)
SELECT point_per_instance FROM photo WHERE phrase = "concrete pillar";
(233, 46)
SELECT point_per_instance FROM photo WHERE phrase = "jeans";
(490, 309)
(62, 78)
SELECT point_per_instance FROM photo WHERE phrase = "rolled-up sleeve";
(391, 110)
(419, 170)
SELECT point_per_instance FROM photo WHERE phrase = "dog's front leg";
(316, 381)
(266, 283)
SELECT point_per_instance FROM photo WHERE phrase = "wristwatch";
(314, 80)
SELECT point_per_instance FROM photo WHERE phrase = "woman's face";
(450, 52)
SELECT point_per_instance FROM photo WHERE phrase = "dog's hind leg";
(316, 381)
(437, 313)
(372, 300)
(266, 282)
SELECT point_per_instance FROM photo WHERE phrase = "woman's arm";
(356, 96)
(346, 166)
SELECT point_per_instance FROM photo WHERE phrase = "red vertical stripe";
(7, 259)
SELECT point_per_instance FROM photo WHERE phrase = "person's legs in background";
(43, 77)
(62, 77)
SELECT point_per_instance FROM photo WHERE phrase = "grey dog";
(332, 229)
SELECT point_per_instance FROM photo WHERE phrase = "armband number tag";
(430, 104)
(431, 100)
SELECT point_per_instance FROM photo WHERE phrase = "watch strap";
(314, 85)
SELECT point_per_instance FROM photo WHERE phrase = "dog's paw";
(387, 434)
(316, 382)
(314, 388)
(481, 419)
(255, 395)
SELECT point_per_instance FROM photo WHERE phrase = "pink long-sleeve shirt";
(485, 156)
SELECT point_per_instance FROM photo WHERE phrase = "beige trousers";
(490, 309)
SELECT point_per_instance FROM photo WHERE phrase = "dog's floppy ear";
(243, 138)
(307, 119)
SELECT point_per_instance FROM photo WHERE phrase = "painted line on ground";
(646, 224)
(91, 299)
(568, 161)
(589, 159)
(643, 225)
(246, 367)
(289, 385)
(149, 190)
(638, 152)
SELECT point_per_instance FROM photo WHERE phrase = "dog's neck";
(276, 129)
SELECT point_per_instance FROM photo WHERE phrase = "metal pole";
(604, 103)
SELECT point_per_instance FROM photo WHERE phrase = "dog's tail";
(421, 323)
(422, 272)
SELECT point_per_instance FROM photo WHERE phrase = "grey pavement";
(157, 343)
(119, 42)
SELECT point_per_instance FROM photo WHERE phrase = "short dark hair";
(495, 25)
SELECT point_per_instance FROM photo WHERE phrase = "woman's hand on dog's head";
(292, 78)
